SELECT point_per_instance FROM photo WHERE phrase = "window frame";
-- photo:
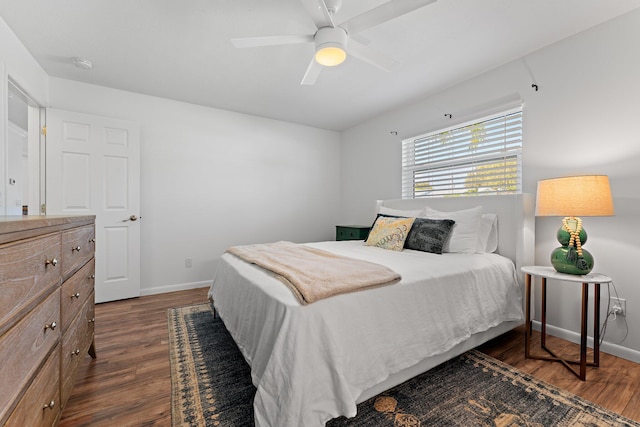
(455, 152)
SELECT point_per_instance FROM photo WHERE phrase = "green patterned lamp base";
(564, 261)
(567, 258)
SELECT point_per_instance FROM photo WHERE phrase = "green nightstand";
(352, 232)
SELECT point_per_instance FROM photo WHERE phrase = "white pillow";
(383, 210)
(487, 233)
(464, 234)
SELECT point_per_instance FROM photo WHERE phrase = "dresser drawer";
(30, 270)
(36, 408)
(75, 292)
(78, 247)
(24, 347)
(34, 263)
(75, 345)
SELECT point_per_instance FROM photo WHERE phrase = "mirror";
(20, 189)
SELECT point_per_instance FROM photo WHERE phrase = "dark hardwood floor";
(615, 385)
(129, 383)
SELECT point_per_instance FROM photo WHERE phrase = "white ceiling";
(181, 50)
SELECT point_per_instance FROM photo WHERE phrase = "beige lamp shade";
(575, 196)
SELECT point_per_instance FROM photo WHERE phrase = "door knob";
(131, 218)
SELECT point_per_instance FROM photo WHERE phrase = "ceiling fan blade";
(383, 13)
(312, 73)
(370, 56)
(319, 13)
(271, 40)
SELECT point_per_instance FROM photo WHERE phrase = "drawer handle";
(77, 248)
(92, 240)
(49, 405)
(52, 262)
(93, 320)
(92, 277)
(76, 352)
(51, 326)
(76, 295)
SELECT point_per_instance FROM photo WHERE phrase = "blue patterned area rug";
(211, 386)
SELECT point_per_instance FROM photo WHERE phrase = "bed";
(311, 363)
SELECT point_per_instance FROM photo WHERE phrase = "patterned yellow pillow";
(389, 233)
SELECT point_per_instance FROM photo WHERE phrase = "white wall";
(195, 203)
(21, 66)
(212, 178)
(15, 62)
(583, 119)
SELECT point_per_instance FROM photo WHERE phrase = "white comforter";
(310, 363)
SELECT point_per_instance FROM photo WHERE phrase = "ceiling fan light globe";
(331, 46)
(330, 56)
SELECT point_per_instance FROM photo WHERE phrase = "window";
(480, 157)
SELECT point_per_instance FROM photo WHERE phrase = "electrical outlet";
(188, 263)
(619, 306)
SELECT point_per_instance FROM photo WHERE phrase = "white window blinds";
(482, 157)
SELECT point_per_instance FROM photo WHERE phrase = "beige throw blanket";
(313, 274)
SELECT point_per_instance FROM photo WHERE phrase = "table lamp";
(572, 197)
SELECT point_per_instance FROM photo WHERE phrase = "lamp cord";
(610, 313)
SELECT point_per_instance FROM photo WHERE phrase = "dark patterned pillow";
(429, 235)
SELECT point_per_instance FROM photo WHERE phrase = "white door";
(93, 167)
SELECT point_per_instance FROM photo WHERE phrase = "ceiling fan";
(333, 41)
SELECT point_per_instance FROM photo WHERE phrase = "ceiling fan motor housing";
(331, 45)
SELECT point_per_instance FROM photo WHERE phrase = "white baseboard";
(606, 347)
(173, 288)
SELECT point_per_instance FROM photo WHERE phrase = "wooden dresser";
(47, 272)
